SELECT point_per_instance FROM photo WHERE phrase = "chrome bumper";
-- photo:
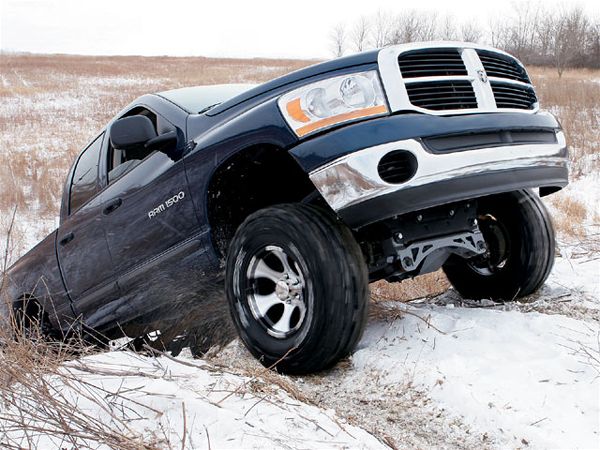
(353, 179)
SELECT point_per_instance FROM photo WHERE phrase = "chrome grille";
(442, 95)
(432, 63)
(501, 66)
(513, 95)
(445, 78)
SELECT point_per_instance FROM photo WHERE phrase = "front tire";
(520, 239)
(297, 287)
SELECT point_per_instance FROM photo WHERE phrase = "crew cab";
(295, 194)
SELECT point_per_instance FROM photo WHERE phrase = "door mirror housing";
(131, 132)
(165, 142)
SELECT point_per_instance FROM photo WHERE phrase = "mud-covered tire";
(521, 220)
(325, 272)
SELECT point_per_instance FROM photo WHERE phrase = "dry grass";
(41, 394)
(569, 217)
(428, 285)
(575, 100)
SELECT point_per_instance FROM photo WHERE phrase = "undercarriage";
(421, 242)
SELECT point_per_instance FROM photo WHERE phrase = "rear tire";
(297, 287)
(520, 239)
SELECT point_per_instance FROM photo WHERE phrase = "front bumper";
(351, 184)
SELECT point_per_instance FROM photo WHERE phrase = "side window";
(122, 161)
(84, 184)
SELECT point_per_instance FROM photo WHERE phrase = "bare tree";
(593, 45)
(381, 29)
(522, 29)
(470, 32)
(338, 39)
(360, 34)
(429, 27)
(568, 32)
(545, 35)
(412, 26)
(569, 37)
(498, 32)
(447, 28)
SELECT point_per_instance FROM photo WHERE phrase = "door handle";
(67, 238)
(112, 205)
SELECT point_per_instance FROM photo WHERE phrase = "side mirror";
(131, 131)
(164, 142)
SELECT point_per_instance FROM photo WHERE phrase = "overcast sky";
(268, 28)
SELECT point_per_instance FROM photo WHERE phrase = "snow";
(443, 372)
(195, 406)
(483, 374)
(577, 275)
(517, 377)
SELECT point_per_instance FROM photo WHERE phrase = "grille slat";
(417, 91)
(431, 63)
(502, 67)
(513, 96)
(502, 73)
(497, 65)
(452, 56)
(442, 95)
(434, 61)
(419, 67)
(443, 98)
(509, 88)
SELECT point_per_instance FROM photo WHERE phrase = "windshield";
(201, 98)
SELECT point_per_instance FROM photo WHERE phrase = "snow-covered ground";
(441, 372)
(188, 404)
(478, 373)
(519, 378)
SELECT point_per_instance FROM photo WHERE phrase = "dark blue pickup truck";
(296, 193)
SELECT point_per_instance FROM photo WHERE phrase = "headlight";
(335, 100)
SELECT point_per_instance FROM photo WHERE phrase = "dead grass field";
(51, 105)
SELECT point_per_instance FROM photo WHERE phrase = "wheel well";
(252, 179)
(28, 305)
(26, 310)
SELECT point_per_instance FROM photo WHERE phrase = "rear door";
(82, 248)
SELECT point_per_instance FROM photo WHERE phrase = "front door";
(152, 224)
